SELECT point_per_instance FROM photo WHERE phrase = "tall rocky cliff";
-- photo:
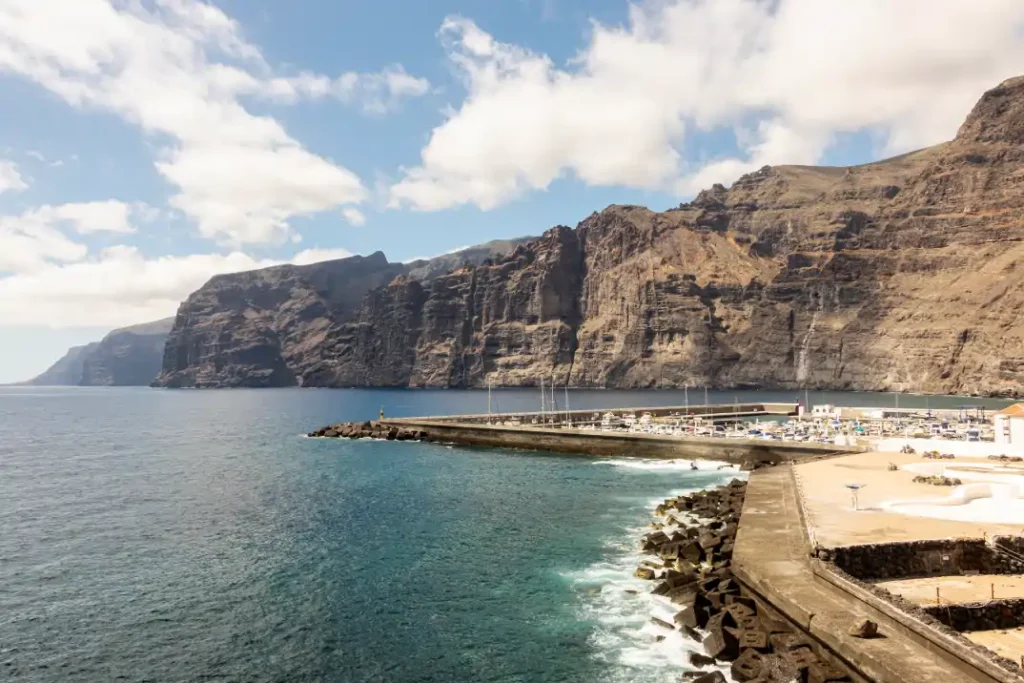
(130, 356)
(906, 274)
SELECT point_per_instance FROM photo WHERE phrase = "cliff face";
(130, 356)
(906, 274)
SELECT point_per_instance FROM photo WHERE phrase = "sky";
(146, 145)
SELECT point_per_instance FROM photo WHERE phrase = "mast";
(554, 404)
(488, 400)
(567, 418)
(542, 396)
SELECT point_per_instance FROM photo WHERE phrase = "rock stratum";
(130, 356)
(906, 274)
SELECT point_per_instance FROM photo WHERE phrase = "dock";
(578, 432)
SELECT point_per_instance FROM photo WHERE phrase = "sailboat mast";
(542, 396)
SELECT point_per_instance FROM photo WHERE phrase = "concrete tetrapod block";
(823, 672)
(747, 666)
(721, 642)
(755, 640)
(713, 677)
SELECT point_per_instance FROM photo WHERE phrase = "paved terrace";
(772, 559)
(830, 512)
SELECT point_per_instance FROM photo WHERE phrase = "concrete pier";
(562, 432)
(772, 560)
(595, 442)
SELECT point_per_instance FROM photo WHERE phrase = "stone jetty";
(691, 545)
(369, 430)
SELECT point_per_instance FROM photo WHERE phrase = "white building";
(826, 410)
(1009, 425)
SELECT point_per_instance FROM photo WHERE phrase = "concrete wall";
(913, 558)
(980, 616)
(617, 444)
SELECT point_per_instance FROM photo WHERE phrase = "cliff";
(130, 356)
(905, 274)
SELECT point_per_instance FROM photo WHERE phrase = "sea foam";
(620, 606)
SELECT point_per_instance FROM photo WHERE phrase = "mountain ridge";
(899, 274)
(127, 356)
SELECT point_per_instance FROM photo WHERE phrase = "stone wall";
(915, 558)
(980, 616)
(879, 561)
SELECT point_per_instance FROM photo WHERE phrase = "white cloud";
(354, 217)
(10, 178)
(35, 154)
(28, 242)
(88, 217)
(121, 286)
(792, 73)
(176, 70)
(376, 93)
(307, 256)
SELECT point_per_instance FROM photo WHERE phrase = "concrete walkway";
(772, 558)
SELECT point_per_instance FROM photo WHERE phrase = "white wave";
(659, 465)
(620, 606)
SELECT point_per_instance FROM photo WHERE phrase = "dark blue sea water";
(151, 535)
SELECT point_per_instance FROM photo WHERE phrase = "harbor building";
(1009, 425)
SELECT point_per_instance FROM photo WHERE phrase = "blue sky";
(147, 145)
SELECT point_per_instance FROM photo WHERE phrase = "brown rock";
(864, 628)
(645, 573)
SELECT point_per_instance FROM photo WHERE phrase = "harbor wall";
(586, 442)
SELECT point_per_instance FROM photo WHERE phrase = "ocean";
(152, 535)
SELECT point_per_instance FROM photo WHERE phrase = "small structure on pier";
(1009, 425)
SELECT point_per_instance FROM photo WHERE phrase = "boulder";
(864, 628)
(331, 434)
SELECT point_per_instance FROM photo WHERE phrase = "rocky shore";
(369, 430)
(691, 544)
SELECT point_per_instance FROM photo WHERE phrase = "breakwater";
(691, 548)
(747, 452)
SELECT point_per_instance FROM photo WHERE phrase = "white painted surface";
(967, 449)
(995, 496)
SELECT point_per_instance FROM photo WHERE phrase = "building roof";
(1016, 410)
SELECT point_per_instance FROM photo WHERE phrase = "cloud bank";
(783, 77)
